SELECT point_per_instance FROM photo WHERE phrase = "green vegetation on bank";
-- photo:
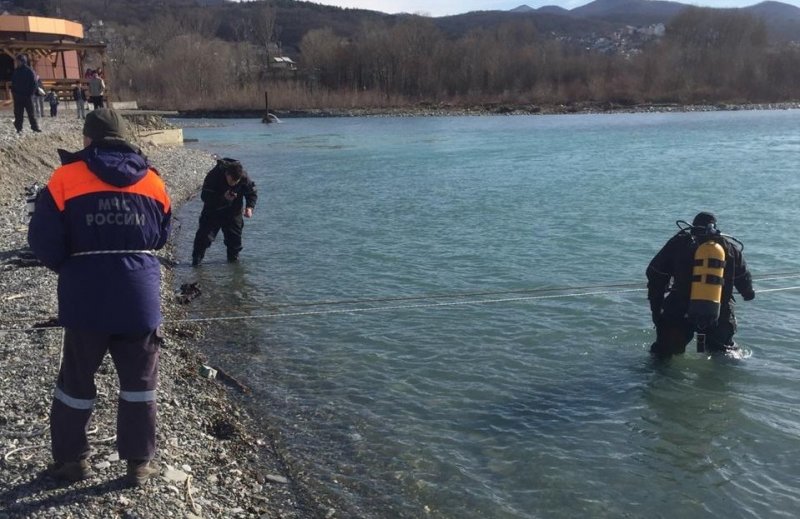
(217, 56)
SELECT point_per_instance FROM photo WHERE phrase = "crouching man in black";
(226, 191)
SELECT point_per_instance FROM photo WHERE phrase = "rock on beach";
(201, 475)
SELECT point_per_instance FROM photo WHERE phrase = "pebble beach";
(214, 459)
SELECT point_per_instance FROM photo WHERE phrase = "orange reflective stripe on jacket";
(74, 180)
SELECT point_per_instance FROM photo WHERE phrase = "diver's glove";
(749, 296)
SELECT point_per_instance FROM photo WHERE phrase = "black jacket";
(676, 261)
(23, 81)
(215, 186)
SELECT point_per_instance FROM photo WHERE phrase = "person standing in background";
(52, 100)
(79, 95)
(23, 88)
(97, 87)
(38, 98)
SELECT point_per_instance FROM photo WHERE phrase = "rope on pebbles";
(19, 449)
(29, 434)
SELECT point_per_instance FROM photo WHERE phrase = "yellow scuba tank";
(705, 297)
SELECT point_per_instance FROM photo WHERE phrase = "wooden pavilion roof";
(44, 49)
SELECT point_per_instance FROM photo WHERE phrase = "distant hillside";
(604, 16)
(606, 52)
(782, 20)
(295, 18)
(545, 22)
(630, 12)
(553, 9)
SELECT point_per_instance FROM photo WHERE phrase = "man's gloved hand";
(750, 296)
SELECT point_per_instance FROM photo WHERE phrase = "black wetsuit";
(221, 213)
(675, 261)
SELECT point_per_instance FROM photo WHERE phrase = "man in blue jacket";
(23, 88)
(96, 224)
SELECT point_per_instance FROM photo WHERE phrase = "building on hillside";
(278, 64)
(282, 63)
(54, 47)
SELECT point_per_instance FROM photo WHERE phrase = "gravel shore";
(214, 459)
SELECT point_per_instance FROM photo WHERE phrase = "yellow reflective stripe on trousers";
(75, 403)
(138, 396)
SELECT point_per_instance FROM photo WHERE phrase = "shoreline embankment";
(491, 109)
(215, 459)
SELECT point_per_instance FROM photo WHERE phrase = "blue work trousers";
(135, 357)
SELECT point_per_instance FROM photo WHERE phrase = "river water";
(446, 317)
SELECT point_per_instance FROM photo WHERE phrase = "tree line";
(705, 56)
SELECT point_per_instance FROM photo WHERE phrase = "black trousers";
(135, 358)
(210, 225)
(24, 104)
(97, 101)
(674, 333)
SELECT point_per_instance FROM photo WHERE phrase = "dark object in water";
(229, 380)
(270, 118)
(188, 292)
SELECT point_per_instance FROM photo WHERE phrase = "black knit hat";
(703, 219)
(104, 123)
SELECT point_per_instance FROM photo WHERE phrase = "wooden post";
(64, 62)
(266, 119)
(106, 79)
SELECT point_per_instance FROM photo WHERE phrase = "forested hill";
(213, 54)
(293, 19)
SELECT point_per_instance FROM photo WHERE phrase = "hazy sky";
(447, 7)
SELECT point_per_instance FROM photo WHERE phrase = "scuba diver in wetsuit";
(704, 267)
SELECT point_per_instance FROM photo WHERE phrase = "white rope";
(777, 289)
(18, 449)
(92, 252)
(401, 307)
(61, 350)
(771, 278)
(395, 307)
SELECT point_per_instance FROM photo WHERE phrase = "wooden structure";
(53, 47)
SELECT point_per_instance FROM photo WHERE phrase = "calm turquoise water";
(530, 392)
